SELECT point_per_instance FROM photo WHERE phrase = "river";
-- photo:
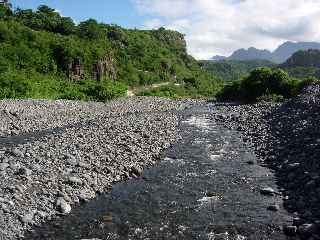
(207, 186)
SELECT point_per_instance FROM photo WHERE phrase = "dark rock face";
(75, 70)
(104, 67)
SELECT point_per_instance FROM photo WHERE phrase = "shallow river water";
(203, 188)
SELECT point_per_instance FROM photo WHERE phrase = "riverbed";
(205, 186)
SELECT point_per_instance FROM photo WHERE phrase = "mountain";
(304, 58)
(250, 54)
(303, 63)
(218, 58)
(232, 70)
(280, 55)
(285, 50)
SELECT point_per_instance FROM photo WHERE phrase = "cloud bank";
(222, 26)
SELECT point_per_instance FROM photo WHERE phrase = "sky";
(212, 27)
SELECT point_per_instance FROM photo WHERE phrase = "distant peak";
(280, 55)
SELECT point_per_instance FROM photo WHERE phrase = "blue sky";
(121, 12)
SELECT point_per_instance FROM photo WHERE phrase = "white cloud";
(153, 23)
(222, 26)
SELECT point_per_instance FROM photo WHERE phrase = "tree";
(90, 29)
(47, 10)
(255, 84)
(65, 26)
(5, 11)
(47, 19)
(278, 82)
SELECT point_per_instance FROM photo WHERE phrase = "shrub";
(107, 90)
(270, 98)
(262, 83)
(13, 85)
(307, 82)
(169, 91)
(230, 92)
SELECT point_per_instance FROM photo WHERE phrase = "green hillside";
(304, 63)
(45, 55)
(232, 70)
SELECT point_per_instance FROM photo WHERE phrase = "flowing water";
(203, 188)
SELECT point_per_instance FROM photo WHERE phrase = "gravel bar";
(286, 137)
(54, 154)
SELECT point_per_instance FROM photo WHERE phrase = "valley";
(110, 133)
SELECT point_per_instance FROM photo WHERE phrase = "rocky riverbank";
(286, 138)
(54, 154)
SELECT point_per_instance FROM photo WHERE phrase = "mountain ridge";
(279, 55)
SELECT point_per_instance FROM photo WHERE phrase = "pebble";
(75, 180)
(136, 170)
(71, 160)
(92, 239)
(3, 166)
(63, 206)
(17, 153)
(86, 195)
(25, 171)
(28, 218)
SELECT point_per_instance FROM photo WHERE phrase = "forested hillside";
(232, 70)
(46, 55)
(304, 63)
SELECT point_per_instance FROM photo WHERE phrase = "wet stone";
(290, 230)
(251, 162)
(268, 191)
(17, 153)
(3, 166)
(25, 171)
(274, 208)
(307, 229)
(136, 170)
(75, 180)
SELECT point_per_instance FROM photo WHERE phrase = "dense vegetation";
(264, 84)
(304, 63)
(246, 81)
(46, 55)
(38, 50)
(232, 70)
